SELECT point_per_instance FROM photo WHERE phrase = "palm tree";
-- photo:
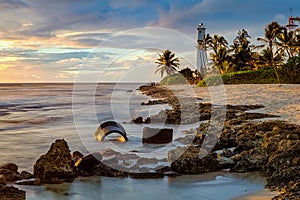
(268, 58)
(216, 42)
(242, 54)
(286, 41)
(219, 55)
(221, 59)
(271, 32)
(167, 62)
(296, 46)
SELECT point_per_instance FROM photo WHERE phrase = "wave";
(30, 121)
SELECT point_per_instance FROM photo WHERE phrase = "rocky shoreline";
(271, 147)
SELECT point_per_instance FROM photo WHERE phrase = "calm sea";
(32, 116)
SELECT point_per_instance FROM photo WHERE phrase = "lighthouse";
(201, 49)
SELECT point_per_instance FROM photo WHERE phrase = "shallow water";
(213, 186)
(32, 116)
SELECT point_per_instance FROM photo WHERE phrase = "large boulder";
(9, 171)
(192, 161)
(11, 193)
(9, 175)
(88, 162)
(10, 166)
(56, 165)
(157, 136)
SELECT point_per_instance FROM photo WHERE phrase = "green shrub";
(175, 79)
(290, 72)
(261, 76)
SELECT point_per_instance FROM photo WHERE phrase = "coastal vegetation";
(274, 60)
(167, 62)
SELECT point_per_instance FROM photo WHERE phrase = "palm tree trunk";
(277, 75)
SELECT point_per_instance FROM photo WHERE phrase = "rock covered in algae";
(56, 165)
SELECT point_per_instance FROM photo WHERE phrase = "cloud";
(52, 39)
(12, 4)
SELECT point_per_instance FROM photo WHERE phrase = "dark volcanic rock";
(11, 193)
(138, 120)
(9, 175)
(155, 102)
(10, 166)
(147, 175)
(109, 170)
(192, 161)
(88, 162)
(56, 165)
(25, 175)
(77, 154)
(290, 192)
(157, 136)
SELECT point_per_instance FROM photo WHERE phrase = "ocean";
(33, 115)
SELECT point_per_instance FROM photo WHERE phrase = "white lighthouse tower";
(201, 49)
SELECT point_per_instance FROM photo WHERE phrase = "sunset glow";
(51, 40)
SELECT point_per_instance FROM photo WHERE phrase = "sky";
(118, 40)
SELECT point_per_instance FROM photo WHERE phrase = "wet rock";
(163, 160)
(76, 155)
(175, 154)
(109, 152)
(291, 192)
(88, 162)
(127, 163)
(2, 180)
(155, 102)
(134, 167)
(146, 175)
(248, 161)
(250, 116)
(12, 193)
(141, 120)
(111, 161)
(10, 166)
(198, 139)
(225, 163)
(162, 168)
(25, 175)
(146, 161)
(227, 153)
(193, 161)
(56, 165)
(9, 175)
(106, 170)
(127, 156)
(171, 174)
(138, 120)
(157, 136)
(187, 139)
(147, 120)
(31, 181)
